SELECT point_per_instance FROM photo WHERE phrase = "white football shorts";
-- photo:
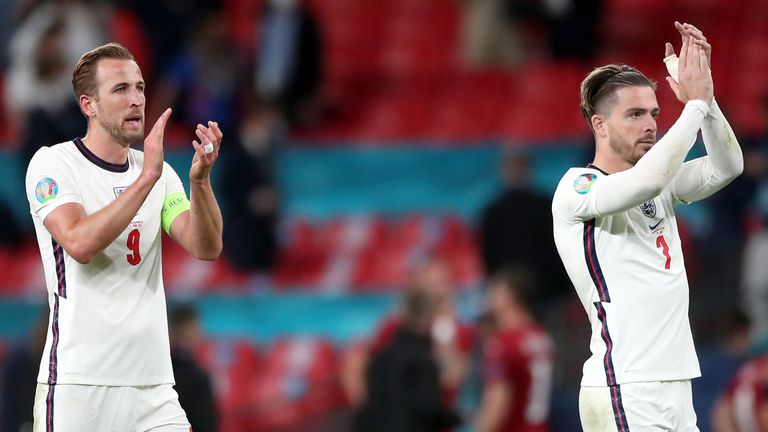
(87, 408)
(656, 406)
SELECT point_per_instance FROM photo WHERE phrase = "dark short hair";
(601, 84)
(84, 76)
(518, 281)
(418, 309)
(182, 315)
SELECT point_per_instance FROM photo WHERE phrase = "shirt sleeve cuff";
(700, 105)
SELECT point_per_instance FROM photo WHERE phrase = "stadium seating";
(234, 368)
(298, 381)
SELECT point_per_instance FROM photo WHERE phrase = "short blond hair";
(84, 76)
(598, 89)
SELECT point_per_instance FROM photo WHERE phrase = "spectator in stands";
(19, 375)
(249, 194)
(203, 80)
(288, 59)
(490, 34)
(518, 360)
(572, 27)
(720, 363)
(515, 228)
(403, 379)
(170, 25)
(43, 51)
(192, 382)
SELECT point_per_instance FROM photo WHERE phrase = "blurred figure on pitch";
(510, 236)
(743, 406)
(518, 360)
(617, 235)
(193, 384)
(751, 203)
(720, 363)
(288, 66)
(451, 339)
(402, 378)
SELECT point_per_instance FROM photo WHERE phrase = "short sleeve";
(575, 197)
(172, 181)
(50, 183)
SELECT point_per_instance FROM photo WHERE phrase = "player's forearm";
(93, 233)
(662, 162)
(206, 224)
(723, 150)
(656, 168)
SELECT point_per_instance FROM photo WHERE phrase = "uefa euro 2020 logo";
(46, 190)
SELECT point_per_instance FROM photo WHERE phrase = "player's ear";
(598, 125)
(87, 105)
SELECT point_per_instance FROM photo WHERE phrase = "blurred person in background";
(43, 50)
(515, 228)
(743, 406)
(193, 384)
(452, 340)
(719, 363)
(518, 359)
(754, 280)
(402, 378)
(249, 193)
(19, 375)
(170, 25)
(572, 27)
(99, 207)
(288, 68)
(616, 232)
(203, 80)
(751, 202)
(490, 34)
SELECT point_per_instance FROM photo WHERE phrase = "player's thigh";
(77, 408)
(628, 407)
(595, 410)
(687, 412)
(159, 410)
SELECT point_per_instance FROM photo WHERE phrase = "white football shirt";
(629, 274)
(108, 317)
(618, 239)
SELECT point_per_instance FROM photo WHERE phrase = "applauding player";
(98, 207)
(615, 230)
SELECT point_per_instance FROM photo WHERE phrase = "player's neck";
(610, 163)
(105, 147)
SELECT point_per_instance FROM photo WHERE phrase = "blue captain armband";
(175, 204)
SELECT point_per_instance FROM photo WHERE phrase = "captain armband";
(175, 204)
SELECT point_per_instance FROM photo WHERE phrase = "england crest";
(648, 208)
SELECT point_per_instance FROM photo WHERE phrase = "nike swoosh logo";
(653, 227)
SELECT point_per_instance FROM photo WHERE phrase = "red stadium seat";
(298, 381)
(234, 367)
